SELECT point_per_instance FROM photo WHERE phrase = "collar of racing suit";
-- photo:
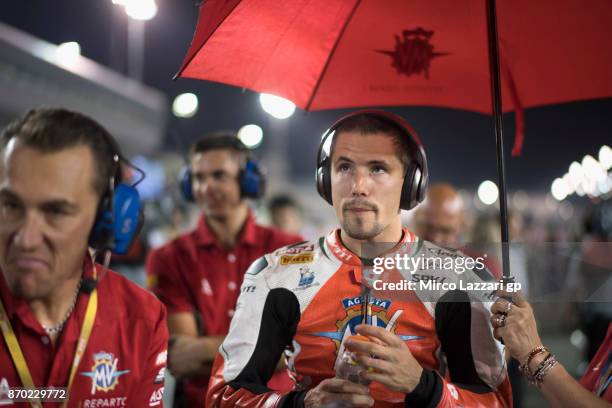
(348, 258)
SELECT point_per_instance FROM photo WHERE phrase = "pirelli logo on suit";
(303, 258)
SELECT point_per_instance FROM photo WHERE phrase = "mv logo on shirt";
(104, 373)
(4, 392)
(377, 316)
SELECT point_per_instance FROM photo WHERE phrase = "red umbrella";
(326, 54)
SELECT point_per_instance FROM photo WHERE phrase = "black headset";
(251, 178)
(414, 188)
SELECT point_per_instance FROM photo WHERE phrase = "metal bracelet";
(541, 373)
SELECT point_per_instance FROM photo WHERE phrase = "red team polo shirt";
(124, 362)
(598, 375)
(194, 273)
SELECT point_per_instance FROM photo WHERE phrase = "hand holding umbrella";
(514, 322)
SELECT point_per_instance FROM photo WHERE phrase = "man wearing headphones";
(66, 321)
(425, 348)
(198, 275)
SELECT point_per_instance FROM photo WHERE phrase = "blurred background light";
(488, 192)
(592, 169)
(605, 157)
(153, 184)
(251, 135)
(559, 189)
(68, 53)
(576, 173)
(185, 105)
(589, 186)
(140, 9)
(568, 183)
(278, 107)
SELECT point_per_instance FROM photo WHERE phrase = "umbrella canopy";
(325, 54)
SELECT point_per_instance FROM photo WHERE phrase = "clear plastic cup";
(349, 368)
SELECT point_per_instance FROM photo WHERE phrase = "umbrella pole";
(499, 137)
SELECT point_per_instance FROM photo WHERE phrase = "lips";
(29, 262)
(214, 201)
(359, 207)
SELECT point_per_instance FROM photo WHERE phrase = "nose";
(360, 182)
(29, 234)
(201, 186)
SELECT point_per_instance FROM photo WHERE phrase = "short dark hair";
(282, 201)
(218, 140)
(55, 129)
(368, 124)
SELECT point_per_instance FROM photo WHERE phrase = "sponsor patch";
(443, 252)
(105, 402)
(248, 289)
(156, 397)
(161, 358)
(453, 391)
(297, 249)
(159, 378)
(306, 257)
(349, 303)
(306, 277)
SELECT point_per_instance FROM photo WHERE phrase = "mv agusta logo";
(378, 317)
(413, 52)
(105, 372)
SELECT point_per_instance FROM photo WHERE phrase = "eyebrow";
(370, 162)
(59, 204)
(219, 171)
(6, 193)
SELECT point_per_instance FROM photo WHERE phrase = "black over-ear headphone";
(251, 178)
(417, 175)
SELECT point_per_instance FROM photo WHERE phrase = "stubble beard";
(357, 229)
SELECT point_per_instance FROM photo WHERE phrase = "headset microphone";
(89, 284)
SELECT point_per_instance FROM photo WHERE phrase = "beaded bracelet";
(525, 366)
